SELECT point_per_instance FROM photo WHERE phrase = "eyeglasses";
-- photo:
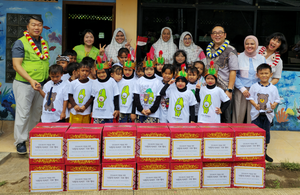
(217, 33)
(187, 39)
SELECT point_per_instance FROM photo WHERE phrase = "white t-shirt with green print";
(126, 89)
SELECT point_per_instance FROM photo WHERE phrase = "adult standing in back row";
(225, 61)
(30, 56)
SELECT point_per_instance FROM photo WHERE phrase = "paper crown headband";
(211, 70)
(182, 72)
(99, 65)
(148, 62)
(129, 63)
(62, 58)
(160, 59)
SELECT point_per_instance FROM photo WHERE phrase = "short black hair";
(69, 52)
(89, 60)
(84, 64)
(117, 69)
(170, 67)
(123, 50)
(193, 69)
(277, 35)
(263, 66)
(71, 67)
(182, 79)
(82, 34)
(54, 69)
(35, 17)
(220, 25)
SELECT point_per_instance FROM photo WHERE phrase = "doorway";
(77, 16)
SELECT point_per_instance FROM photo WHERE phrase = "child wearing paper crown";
(160, 62)
(181, 100)
(146, 94)
(210, 98)
(105, 92)
(126, 88)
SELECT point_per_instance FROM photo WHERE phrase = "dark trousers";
(263, 122)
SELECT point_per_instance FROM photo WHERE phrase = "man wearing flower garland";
(226, 61)
(30, 56)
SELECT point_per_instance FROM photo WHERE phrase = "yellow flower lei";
(35, 48)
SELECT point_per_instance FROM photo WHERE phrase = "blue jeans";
(263, 122)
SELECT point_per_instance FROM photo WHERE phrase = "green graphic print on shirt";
(101, 98)
(125, 94)
(151, 95)
(81, 96)
(206, 103)
(178, 106)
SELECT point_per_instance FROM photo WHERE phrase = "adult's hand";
(35, 85)
(246, 93)
(127, 45)
(229, 94)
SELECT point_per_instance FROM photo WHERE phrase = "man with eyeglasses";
(225, 61)
(30, 57)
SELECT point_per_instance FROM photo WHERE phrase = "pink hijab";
(256, 46)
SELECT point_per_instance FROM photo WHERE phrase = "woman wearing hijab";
(166, 44)
(249, 60)
(193, 51)
(118, 41)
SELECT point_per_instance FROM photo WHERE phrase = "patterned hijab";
(192, 51)
(114, 46)
(168, 48)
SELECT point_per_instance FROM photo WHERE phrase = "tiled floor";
(284, 146)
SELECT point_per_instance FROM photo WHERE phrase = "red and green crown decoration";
(211, 70)
(148, 62)
(129, 63)
(99, 65)
(182, 72)
(160, 59)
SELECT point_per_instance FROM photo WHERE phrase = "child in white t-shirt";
(160, 62)
(105, 94)
(55, 96)
(181, 100)
(193, 74)
(80, 95)
(210, 97)
(63, 61)
(146, 94)
(264, 98)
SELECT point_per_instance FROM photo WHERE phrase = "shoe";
(268, 158)
(21, 148)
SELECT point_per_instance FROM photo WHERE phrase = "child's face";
(93, 73)
(210, 80)
(75, 74)
(72, 58)
(55, 77)
(200, 68)
(180, 84)
(192, 77)
(127, 71)
(180, 58)
(63, 64)
(159, 67)
(123, 58)
(264, 75)
(117, 76)
(84, 72)
(149, 71)
(101, 74)
(167, 75)
(139, 72)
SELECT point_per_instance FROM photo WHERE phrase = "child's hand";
(62, 115)
(133, 117)
(77, 108)
(82, 108)
(116, 113)
(218, 110)
(69, 105)
(110, 62)
(148, 111)
(144, 113)
(257, 107)
(101, 49)
(273, 106)
(171, 82)
(198, 86)
(127, 45)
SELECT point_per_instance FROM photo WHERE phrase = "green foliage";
(290, 166)
(276, 184)
(2, 183)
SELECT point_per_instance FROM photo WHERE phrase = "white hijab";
(168, 48)
(192, 51)
(112, 49)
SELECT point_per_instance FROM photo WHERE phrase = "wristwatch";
(229, 90)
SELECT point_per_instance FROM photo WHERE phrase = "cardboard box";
(218, 144)
(153, 143)
(242, 125)
(118, 176)
(186, 175)
(217, 175)
(186, 143)
(153, 176)
(83, 177)
(83, 145)
(53, 125)
(47, 178)
(249, 144)
(119, 142)
(47, 145)
(87, 125)
(249, 174)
